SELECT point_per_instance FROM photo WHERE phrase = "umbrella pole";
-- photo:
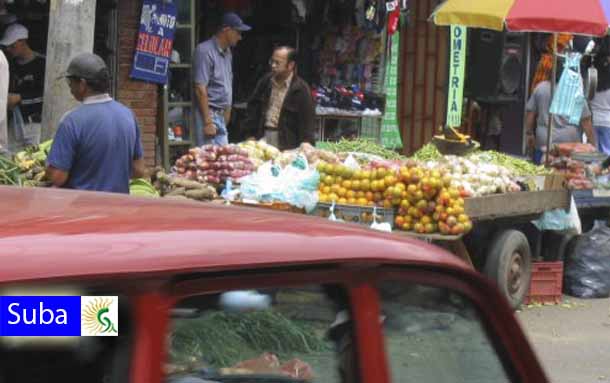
(551, 119)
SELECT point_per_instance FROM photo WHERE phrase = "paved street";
(572, 340)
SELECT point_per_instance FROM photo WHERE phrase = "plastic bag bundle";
(560, 220)
(296, 184)
(569, 98)
(587, 268)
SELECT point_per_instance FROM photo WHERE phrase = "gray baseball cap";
(88, 66)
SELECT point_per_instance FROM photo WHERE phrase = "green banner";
(455, 95)
(390, 131)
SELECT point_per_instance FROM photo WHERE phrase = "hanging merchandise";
(456, 75)
(390, 133)
(569, 100)
(393, 17)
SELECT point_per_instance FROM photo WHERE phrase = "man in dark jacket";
(281, 109)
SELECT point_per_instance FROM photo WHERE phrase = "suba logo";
(99, 316)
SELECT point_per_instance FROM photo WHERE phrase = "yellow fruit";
(350, 194)
(407, 226)
(399, 220)
(329, 180)
(326, 189)
(333, 197)
(342, 192)
(351, 201)
(463, 218)
(347, 184)
(360, 194)
(335, 188)
(365, 185)
(366, 174)
(323, 197)
(362, 201)
(342, 201)
(426, 219)
(374, 186)
(356, 185)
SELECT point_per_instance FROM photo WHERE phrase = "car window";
(284, 334)
(434, 335)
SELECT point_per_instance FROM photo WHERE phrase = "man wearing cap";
(97, 145)
(27, 79)
(213, 81)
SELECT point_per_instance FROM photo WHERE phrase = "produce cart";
(503, 241)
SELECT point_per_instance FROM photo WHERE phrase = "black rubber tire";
(509, 264)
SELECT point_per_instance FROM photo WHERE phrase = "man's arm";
(138, 169)
(530, 123)
(13, 100)
(308, 117)
(254, 111)
(57, 177)
(587, 126)
(201, 92)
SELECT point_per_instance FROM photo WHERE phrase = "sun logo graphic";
(99, 316)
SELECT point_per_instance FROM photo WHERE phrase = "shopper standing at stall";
(600, 105)
(26, 84)
(97, 145)
(213, 81)
(281, 108)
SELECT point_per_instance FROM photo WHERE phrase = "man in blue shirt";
(213, 81)
(97, 145)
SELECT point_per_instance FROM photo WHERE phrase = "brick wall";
(141, 97)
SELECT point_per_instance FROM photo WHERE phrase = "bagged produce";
(587, 268)
(215, 164)
(295, 184)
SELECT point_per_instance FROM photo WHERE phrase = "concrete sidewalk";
(572, 340)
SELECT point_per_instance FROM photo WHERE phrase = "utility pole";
(71, 31)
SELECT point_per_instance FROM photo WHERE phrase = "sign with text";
(457, 65)
(155, 41)
(390, 132)
(43, 316)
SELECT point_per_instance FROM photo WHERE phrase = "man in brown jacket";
(281, 108)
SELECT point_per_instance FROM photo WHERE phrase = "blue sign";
(155, 41)
(58, 316)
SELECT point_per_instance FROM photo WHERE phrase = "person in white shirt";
(4, 79)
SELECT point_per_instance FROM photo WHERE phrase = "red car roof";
(51, 233)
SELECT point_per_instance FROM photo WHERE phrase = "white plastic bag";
(384, 226)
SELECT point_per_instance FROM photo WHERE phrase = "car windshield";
(276, 335)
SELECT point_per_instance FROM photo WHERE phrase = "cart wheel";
(509, 263)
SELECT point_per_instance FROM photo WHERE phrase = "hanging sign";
(390, 132)
(457, 64)
(155, 41)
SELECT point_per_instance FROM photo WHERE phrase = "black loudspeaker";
(495, 66)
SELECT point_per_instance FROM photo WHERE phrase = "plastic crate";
(355, 214)
(546, 284)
